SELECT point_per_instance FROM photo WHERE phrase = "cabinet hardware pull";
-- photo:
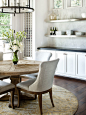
(65, 54)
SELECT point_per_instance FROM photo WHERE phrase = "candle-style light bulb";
(11, 4)
(5, 1)
(17, 1)
(23, 3)
(26, 2)
(2, 3)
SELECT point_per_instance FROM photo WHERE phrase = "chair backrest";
(1, 56)
(45, 77)
(42, 56)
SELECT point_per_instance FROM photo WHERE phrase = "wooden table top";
(23, 67)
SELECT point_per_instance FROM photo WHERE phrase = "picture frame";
(58, 4)
(74, 3)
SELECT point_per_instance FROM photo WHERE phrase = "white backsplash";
(68, 42)
(76, 26)
(42, 27)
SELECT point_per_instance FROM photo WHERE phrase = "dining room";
(42, 57)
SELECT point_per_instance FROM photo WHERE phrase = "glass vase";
(52, 16)
(15, 57)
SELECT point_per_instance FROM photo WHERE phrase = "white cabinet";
(71, 64)
(81, 65)
(66, 63)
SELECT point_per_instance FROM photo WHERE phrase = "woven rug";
(65, 104)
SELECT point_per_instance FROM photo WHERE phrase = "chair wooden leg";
(51, 98)
(12, 99)
(20, 79)
(40, 103)
(18, 98)
(35, 96)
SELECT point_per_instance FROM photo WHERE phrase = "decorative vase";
(52, 16)
(15, 57)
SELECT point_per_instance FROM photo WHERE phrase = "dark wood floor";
(77, 87)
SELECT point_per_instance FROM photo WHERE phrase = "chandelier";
(16, 6)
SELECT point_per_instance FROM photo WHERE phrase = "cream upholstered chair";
(42, 56)
(1, 59)
(7, 87)
(39, 56)
(42, 84)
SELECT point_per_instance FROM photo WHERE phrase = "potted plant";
(15, 42)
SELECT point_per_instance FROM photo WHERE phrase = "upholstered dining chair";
(39, 56)
(42, 84)
(7, 87)
(1, 59)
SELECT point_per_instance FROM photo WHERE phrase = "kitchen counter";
(62, 49)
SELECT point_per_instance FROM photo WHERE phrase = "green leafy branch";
(10, 36)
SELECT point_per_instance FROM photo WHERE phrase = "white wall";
(42, 11)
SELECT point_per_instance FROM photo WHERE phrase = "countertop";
(63, 49)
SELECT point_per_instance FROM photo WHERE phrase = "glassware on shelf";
(52, 16)
(57, 14)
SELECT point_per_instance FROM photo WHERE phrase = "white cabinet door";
(81, 64)
(61, 64)
(70, 63)
(66, 63)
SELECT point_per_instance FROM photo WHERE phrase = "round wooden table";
(14, 71)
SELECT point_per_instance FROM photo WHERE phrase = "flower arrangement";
(15, 41)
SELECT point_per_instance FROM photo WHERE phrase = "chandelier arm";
(19, 10)
(8, 3)
(19, 2)
(29, 3)
(14, 2)
(2, 10)
(15, 7)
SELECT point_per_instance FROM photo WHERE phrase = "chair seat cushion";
(25, 85)
(4, 86)
(4, 77)
(30, 76)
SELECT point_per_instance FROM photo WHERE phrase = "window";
(5, 25)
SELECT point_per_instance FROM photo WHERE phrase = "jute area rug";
(65, 104)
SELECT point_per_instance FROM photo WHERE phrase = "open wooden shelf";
(66, 20)
(55, 36)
